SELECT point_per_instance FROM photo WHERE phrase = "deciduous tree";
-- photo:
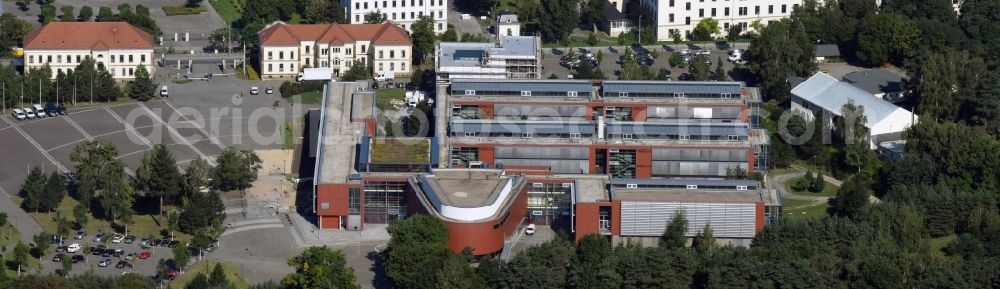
(374, 17)
(320, 267)
(675, 236)
(235, 168)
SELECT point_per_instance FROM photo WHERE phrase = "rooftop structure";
(823, 51)
(513, 57)
(823, 93)
(881, 83)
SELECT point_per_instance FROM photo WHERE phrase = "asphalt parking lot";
(133, 128)
(610, 67)
(146, 267)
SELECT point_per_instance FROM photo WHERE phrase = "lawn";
(400, 151)
(789, 203)
(9, 236)
(808, 212)
(227, 10)
(182, 81)
(312, 97)
(829, 190)
(182, 10)
(939, 243)
(232, 274)
(142, 225)
(384, 97)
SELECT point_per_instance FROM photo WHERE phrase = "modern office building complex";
(512, 56)
(286, 49)
(117, 47)
(401, 12)
(681, 16)
(617, 158)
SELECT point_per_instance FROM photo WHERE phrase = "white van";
(163, 91)
(385, 76)
(30, 113)
(39, 111)
(19, 114)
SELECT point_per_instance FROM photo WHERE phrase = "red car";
(145, 255)
(171, 274)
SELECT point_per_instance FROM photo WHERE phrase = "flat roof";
(471, 54)
(562, 85)
(517, 127)
(589, 190)
(339, 137)
(703, 128)
(876, 81)
(687, 196)
(687, 87)
(468, 195)
(363, 105)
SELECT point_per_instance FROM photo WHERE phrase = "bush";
(818, 183)
(181, 10)
(289, 89)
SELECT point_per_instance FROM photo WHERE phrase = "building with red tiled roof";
(286, 48)
(117, 47)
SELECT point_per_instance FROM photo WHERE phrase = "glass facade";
(384, 202)
(548, 204)
(354, 201)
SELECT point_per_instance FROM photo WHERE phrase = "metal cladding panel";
(540, 111)
(677, 129)
(520, 85)
(693, 112)
(714, 87)
(461, 127)
(650, 219)
(700, 155)
(665, 168)
(557, 166)
(564, 153)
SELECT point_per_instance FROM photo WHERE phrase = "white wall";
(685, 19)
(120, 62)
(402, 12)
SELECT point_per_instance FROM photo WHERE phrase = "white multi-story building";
(117, 47)
(287, 49)
(402, 12)
(682, 16)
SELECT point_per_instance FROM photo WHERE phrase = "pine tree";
(116, 195)
(33, 190)
(55, 190)
(675, 235)
(158, 175)
(217, 279)
(818, 183)
(705, 242)
(142, 88)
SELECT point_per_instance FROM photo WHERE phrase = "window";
(627, 136)
(713, 12)
(571, 93)
(121, 58)
(671, 17)
(470, 134)
(574, 135)
(349, 51)
(31, 59)
(734, 137)
(393, 4)
(357, 5)
(692, 187)
(622, 94)
(364, 48)
(307, 49)
(130, 59)
(392, 54)
(701, 12)
(725, 26)
(393, 15)
(440, 15)
(725, 11)
(292, 67)
(526, 135)
(525, 93)
(784, 8)
(687, 20)
(58, 58)
(366, 5)
(470, 92)
(291, 55)
(270, 67)
(324, 206)
(270, 55)
(671, 3)
(381, 54)
(684, 137)
(392, 66)
(281, 67)
(357, 17)
(402, 66)
(281, 55)
(756, 10)
(112, 58)
(336, 50)
(131, 71)
(123, 72)
(631, 186)
(770, 9)
(141, 58)
(741, 188)
(687, 6)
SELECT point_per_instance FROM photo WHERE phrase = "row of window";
(742, 11)
(570, 135)
(392, 54)
(689, 187)
(70, 59)
(522, 93)
(402, 3)
(676, 136)
(358, 17)
(392, 66)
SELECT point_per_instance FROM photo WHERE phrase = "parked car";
(30, 113)
(145, 255)
(117, 239)
(704, 52)
(99, 236)
(122, 264)
(129, 239)
(73, 248)
(144, 242)
(80, 234)
(104, 262)
(254, 90)
(78, 259)
(107, 252)
(19, 114)
(530, 230)
(269, 90)
(171, 274)
(39, 111)
(154, 243)
(58, 258)
(118, 253)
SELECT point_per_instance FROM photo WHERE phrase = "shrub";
(181, 10)
(289, 89)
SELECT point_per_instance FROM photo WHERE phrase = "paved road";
(17, 217)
